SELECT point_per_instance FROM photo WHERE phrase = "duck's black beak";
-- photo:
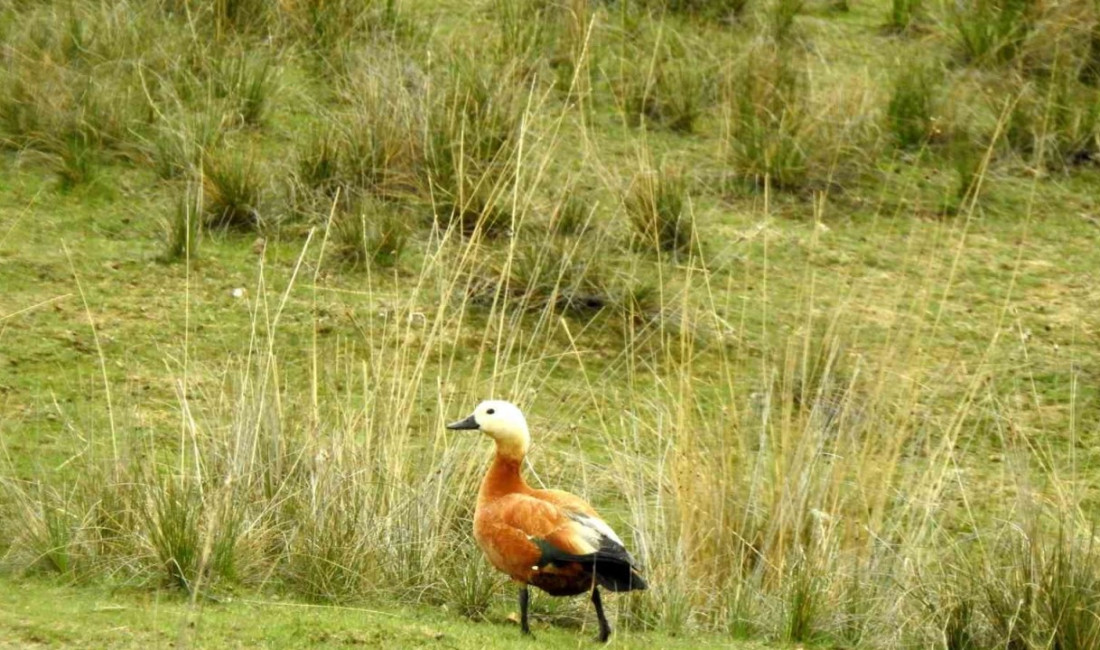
(468, 423)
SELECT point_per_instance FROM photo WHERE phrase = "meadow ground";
(40, 614)
(802, 295)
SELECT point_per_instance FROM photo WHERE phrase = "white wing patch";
(594, 529)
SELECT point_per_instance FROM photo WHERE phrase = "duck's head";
(503, 422)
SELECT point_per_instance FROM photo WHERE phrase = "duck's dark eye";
(491, 411)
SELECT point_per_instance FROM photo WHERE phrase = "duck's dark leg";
(605, 629)
(523, 598)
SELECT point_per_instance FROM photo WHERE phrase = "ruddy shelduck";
(550, 539)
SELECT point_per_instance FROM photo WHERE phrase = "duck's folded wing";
(561, 536)
(539, 520)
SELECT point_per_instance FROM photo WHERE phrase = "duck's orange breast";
(506, 529)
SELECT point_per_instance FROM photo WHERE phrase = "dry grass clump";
(573, 277)
(473, 127)
(664, 79)
(234, 187)
(912, 112)
(332, 507)
(1054, 123)
(64, 95)
(991, 32)
(182, 230)
(379, 148)
(769, 125)
(179, 140)
(1030, 585)
(572, 213)
(445, 141)
(658, 207)
(370, 232)
(726, 11)
(370, 146)
(904, 15)
(328, 28)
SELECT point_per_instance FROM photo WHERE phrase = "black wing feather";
(611, 563)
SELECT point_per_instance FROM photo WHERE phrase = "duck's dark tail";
(616, 575)
(611, 564)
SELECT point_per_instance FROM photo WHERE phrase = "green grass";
(61, 616)
(804, 305)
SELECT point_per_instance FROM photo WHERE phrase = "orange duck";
(550, 539)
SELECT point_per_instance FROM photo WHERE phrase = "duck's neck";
(503, 477)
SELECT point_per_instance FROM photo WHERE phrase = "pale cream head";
(503, 422)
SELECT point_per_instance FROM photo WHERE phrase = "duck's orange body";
(551, 539)
(510, 515)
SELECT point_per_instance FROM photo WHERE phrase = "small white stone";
(238, 292)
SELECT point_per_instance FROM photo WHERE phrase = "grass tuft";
(767, 122)
(665, 85)
(992, 32)
(911, 114)
(904, 15)
(233, 189)
(659, 209)
(371, 232)
(76, 160)
(182, 231)
(780, 19)
(473, 127)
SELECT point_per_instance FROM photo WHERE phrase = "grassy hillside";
(802, 295)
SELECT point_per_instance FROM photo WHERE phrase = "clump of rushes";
(965, 155)
(182, 231)
(76, 156)
(248, 80)
(767, 119)
(571, 54)
(572, 277)
(717, 10)
(330, 28)
(903, 15)
(1030, 586)
(324, 23)
(318, 177)
(571, 213)
(780, 17)
(664, 81)
(670, 95)
(171, 517)
(233, 191)
(992, 32)
(240, 16)
(1054, 121)
(1090, 67)
(911, 112)
(659, 210)
(472, 130)
(177, 143)
(374, 145)
(319, 162)
(523, 27)
(370, 232)
(20, 120)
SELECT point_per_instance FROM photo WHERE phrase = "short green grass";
(62, 616)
